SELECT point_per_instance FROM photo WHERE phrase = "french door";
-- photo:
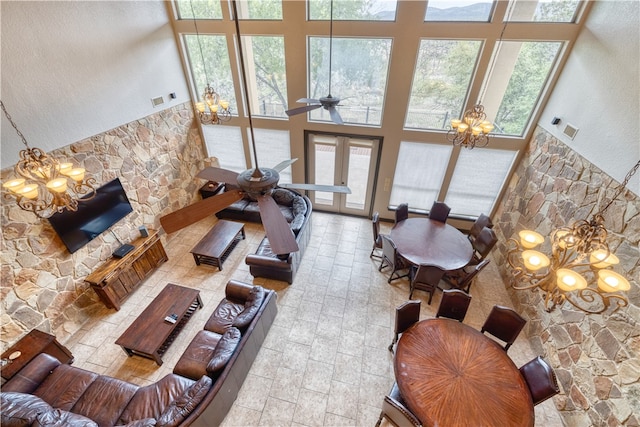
(342, 160)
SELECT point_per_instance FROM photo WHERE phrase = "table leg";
(196, 258)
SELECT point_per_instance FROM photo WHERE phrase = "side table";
(32, 344)
(209, 189)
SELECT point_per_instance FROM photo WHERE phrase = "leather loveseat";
(48, 393)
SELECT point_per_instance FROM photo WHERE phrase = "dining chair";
(377, 239)
(480, 222)
(391, 258)
(540, 379)
(439, 211)
(402, 212)
(465, 277)
(454, 304)
(425, 278)
(407, 314)
(504, 323)
(483, 244)
(395, 410)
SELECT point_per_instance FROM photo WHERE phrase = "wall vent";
(157, 101)
(570, 131)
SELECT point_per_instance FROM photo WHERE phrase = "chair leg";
(380, 419)
(395, 339)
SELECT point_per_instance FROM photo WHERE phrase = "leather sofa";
(265, 263)
(48, 393)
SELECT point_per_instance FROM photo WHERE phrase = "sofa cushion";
(299, 206)
(224, 350)
(146, 422)
(65, 386)
(62, 418)
(152, 400)
(251, 307)
(105, 399)
(182, 406)
(193, 362)
(223, 316)
(283, 197)
(20, 409)
(297, 223)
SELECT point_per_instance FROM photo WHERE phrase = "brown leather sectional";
(200, 391)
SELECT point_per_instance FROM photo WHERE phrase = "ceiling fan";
(257, 183)
(328, 102)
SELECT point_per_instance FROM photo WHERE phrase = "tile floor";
(325, 360)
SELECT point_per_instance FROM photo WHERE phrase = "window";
(358, 77)
(259, 9)
(543, 10)
(419, 174)
(440, 82)
(353, 10)
(225, 143)
(203, 9)
(470, 192)
(458, 10)
(273, 147)
(266, 74)
(216, 65)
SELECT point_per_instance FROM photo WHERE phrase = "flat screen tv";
(93, 216)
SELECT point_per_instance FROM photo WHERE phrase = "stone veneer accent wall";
(596, 357)
(42, 284)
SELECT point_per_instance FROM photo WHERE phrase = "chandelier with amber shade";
(579, 269)
(43, 184)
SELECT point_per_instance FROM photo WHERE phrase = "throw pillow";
(146, 422)
(181, 407)
(282, 196)
(299, 206)
(60, 418)
(20, 409)
(251, 307)
(224, 350)
(297, 223)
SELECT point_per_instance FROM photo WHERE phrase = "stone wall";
(42, 284)
(596, 356)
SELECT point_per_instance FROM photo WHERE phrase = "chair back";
(394, 408)
(439, 211)
(406, 315)
(454, 304)
(481, 222)
(540, 378)
(402, 212)
(467, 281)
(485, 241)
(425, 278)
(389, 250)
(504, 323)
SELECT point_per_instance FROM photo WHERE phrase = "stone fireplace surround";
(157, 157)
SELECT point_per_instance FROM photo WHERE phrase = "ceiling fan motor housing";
(257, 183)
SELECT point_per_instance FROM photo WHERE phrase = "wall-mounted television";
(93, 216)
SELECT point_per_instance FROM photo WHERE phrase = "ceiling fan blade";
(301, 110)
(283, 165)
(308, 101)
(277, 228)
(218, 175)
(199, 210)
(318, 187)
(335, 116)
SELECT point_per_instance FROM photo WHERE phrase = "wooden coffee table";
(150, 334)
(218, 243)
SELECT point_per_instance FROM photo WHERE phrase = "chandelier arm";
(589, 296)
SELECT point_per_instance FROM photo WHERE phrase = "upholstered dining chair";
(377, 239)
(465, 277)
(391, 258)
(483, 244)
(504, 323)
(407, 314)
(454, 304)
(439, 211)
(540, 378)
(394, 409)
(402, 212)
(425, 278)
(481, 222)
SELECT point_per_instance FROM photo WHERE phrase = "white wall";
(74, 69)
(599, 91)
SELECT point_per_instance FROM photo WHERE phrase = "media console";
(114, 280)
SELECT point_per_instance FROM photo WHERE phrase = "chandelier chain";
(6, 113)
(195, 24)
(621, 187)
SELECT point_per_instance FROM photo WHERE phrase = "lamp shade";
(569, 280)
(77, 174)
(59, 185)
(29, 191)
(14, 184)
(602, 258)
(610, 281)
(535, 260)
(530, 239)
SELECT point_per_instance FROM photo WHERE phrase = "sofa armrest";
(32, 375)
(237, 291)
(267, 261)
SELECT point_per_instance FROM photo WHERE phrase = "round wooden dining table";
(450, 374)
(426, 241)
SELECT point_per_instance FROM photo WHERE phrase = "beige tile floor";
(325, 360)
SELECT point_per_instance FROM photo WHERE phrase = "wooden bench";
(218, 243)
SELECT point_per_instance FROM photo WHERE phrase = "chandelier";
(579, 270)
(212, 110)
(472, 130)
(45, 185)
